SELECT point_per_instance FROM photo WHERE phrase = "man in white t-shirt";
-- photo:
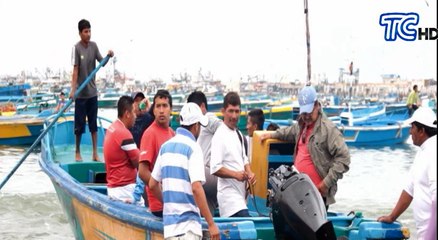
(421, 183)
(229, 161)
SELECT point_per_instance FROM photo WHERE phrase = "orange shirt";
(303, 161)
(150, 144)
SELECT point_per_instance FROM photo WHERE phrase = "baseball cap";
(137, 94)
(190, 114)
(425, 116)
(306, 99)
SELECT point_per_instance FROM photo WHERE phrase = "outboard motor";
(298, 211)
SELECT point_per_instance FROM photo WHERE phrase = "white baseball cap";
(425, 116)
(190, 114)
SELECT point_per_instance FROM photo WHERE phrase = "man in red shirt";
(154, 136)
(320, 149)
(121, 153)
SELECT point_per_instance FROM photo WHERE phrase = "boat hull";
(375, 136)
(91, 214)
(19, 131)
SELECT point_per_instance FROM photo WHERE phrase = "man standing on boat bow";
(320, 149)
(84, 56)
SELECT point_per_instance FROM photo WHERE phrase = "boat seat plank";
(81, 170)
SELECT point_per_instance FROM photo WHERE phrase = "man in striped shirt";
(179, 170)
(121, 153)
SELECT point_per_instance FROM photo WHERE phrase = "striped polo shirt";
(180, 163)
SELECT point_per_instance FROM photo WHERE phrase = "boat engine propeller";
(298, 211)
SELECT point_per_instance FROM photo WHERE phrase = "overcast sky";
(230, 38)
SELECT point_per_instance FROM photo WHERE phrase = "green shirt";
(412, 98)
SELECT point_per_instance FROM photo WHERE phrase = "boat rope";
(251, 192)
(399, 131)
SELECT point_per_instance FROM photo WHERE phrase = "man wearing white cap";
(180, 170)
(320, 149)
(420, 189)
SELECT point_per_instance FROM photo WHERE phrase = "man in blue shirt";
(180, 170)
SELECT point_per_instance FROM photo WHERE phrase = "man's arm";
(144, 171)
(284, 134)
(250, 175)
(403, 203)
(130, 148)
(224, 172)
(201, 202)
(74, 81)
(341, 159)
(155, 187)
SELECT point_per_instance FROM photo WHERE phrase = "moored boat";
(378, 133)
(20, 129)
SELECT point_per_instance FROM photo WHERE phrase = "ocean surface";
(29, 207)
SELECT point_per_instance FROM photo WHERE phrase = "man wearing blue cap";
(320, 149)
(177, 178)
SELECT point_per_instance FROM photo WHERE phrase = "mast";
(309, 66)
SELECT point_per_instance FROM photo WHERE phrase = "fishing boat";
(12, 91)
(20, 129)
(92, 215)
(354, 117)
(109, 99)
(376, 133)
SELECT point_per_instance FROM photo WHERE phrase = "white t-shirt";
(422, 183)
(204, 139)
(228, 151)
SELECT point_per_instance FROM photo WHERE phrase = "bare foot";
(78, 157)
(96, 158)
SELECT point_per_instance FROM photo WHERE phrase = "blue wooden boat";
(20, 129)
(353, 117)
(11, 91)
(377, 133)
(92, 215)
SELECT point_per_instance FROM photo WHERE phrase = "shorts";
(85, 108)
(124, 194)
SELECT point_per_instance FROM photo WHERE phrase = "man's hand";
(323, 189)
(265, 135)
(386, 219)
(72, 94)
(240, 176)
(251, 178)
(110, 53)
(214, 232)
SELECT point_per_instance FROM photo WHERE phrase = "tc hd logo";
(402, 25)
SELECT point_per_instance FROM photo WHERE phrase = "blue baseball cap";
(306, 99)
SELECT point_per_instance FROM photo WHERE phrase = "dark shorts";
(85, 108)
(241, 213)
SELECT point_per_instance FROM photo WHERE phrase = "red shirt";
(303, 161)
(150, 144)
(118, 150)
